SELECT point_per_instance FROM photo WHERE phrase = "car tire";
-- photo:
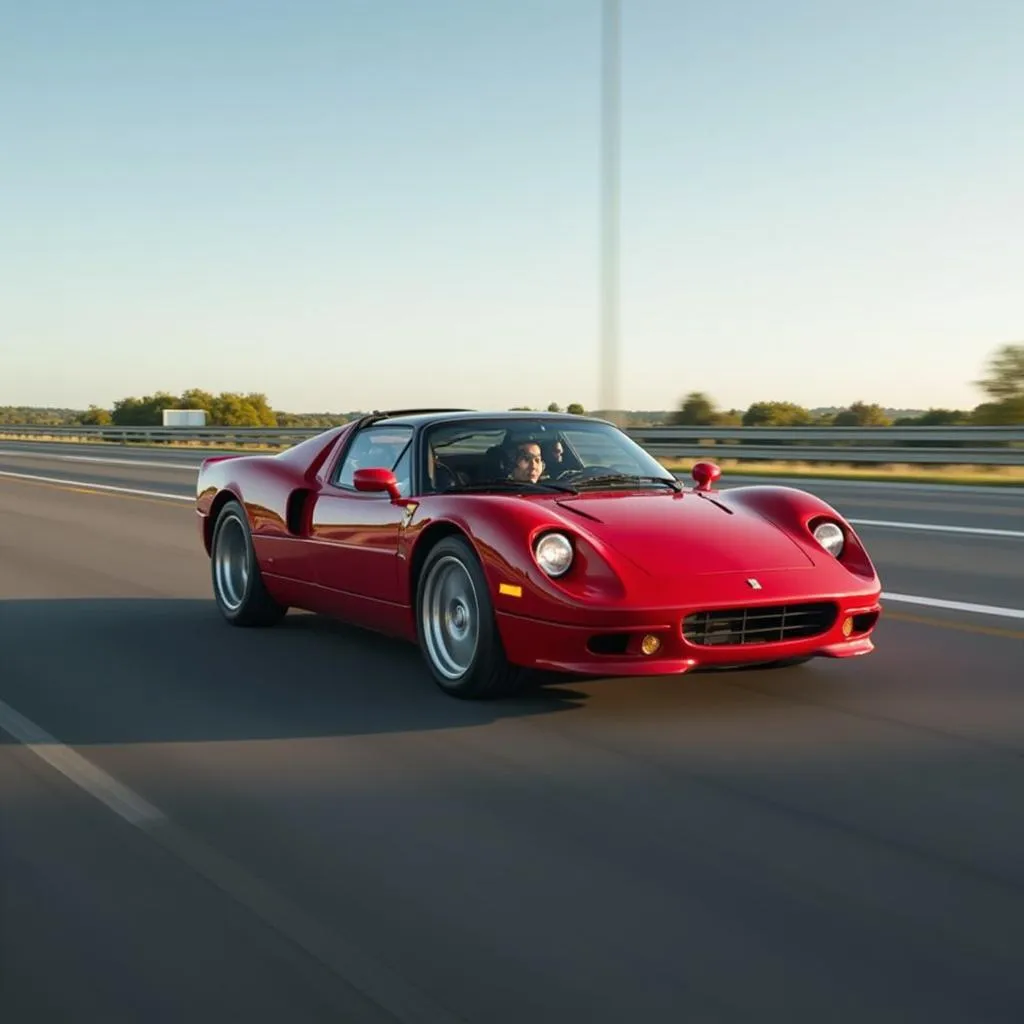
(238, 586)
(456, 627)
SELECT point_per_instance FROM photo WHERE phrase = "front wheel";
(237, 582)
(455, 625)
(788, 662)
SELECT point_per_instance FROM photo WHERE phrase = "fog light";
(650, 644)
(847, 626)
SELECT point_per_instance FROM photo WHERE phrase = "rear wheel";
(237, 582)
(456, 628)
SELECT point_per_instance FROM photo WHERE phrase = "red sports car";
(515, 541)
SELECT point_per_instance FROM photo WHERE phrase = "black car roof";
(420, 417)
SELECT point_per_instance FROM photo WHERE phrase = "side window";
(377, 447)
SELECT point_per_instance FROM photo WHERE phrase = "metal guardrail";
(980, 446)
(221, 436)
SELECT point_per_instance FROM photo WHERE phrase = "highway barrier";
(935, 446)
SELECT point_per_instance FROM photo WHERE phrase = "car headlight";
(553, 553)
(830, 537)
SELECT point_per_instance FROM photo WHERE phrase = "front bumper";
(616, 648)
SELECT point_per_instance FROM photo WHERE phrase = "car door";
(356, 533)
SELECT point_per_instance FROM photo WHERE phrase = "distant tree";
(142, 412)
(1005, 378)
(860, 414)
(696, 409)
(196, 398)
(1005, 387)
(32, 416)
(94, 416)
(228, 409)
(776, 414)
(575, 409)
(554, 407)
(732, 418)
(1008, 413)
(231, 409)
(935, 418)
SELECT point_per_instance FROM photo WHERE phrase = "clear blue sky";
(355, 203)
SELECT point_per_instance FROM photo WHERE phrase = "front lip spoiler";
(566, 647)
(614, 667)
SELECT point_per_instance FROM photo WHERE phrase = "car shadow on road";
(155, 670)
(136, 670)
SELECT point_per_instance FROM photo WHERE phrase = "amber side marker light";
(650, 644)
(847, 625)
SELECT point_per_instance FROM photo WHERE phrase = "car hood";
(672, 536)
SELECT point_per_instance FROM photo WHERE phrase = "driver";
(554, 456)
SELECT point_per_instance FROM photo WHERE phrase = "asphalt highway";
(204, 823)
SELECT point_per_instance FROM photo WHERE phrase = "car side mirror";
(705, 473)
(376, 480)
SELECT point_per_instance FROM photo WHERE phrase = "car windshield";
(537, 454)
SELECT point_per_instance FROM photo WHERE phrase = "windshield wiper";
(509, 485)
(629, 478)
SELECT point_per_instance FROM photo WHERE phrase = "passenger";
(529, 463)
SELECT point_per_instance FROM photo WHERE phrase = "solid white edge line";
(142, 464)
(120, 799)
(955, 606)
(371, 979)
(981, 531)
(96, 487)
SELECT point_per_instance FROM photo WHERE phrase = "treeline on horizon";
(1003, 385)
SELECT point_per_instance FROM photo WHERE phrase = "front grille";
(760, 625)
